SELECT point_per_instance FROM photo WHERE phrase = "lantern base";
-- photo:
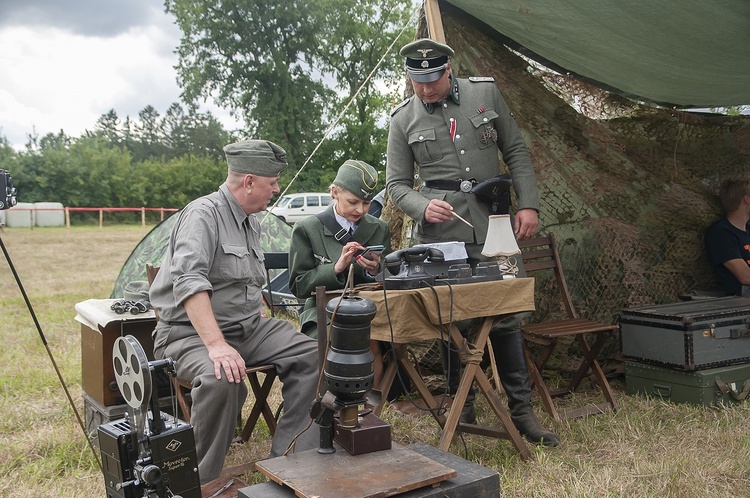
(371, 434)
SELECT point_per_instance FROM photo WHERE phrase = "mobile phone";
(374, 249)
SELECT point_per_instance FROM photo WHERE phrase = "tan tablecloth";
(414, 313)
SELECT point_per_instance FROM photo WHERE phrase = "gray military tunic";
(459, 138)
(420, 146)
(215, 247)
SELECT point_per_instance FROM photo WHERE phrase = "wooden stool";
(260, 406)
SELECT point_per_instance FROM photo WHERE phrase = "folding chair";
(541, 254)
(279, 284)
(260, 390)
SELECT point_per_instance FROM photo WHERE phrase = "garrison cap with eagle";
(426, 59)
(357, 177)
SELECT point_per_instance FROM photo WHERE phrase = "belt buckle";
(340, 234)
(465, 186)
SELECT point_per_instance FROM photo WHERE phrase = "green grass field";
(649, 448)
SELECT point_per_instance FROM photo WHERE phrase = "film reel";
(132, 371)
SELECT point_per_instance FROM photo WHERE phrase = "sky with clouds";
(64, 63)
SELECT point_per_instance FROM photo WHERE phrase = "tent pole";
(434, 20)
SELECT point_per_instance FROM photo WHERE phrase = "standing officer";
(450, 140)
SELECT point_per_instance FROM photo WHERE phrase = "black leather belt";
(454, 185)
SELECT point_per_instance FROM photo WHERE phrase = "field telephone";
(407, 267)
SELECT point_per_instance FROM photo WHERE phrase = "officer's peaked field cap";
(357, 177)
(256, 157)
(426, 59)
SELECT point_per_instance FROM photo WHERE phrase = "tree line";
(287, 68)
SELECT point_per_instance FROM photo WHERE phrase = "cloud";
(54, 79)
(101, 18)
(64, 63)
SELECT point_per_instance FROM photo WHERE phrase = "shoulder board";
(481, 79)
(400, 106)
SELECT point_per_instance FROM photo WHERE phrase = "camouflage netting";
(628, 198)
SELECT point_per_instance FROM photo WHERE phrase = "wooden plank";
(434, 20)
(370, 475)
(222, 487)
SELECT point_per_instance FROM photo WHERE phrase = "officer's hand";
(226, 357)
(438, 211)
(526, 223)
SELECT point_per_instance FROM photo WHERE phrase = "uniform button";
(468, 169)
(463, 152)
(485, 120)
(458, 136)
(421, 137)
(445, 104)
(451, 120)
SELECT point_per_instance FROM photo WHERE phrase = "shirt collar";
(453, 94)
(234, 205)
(343, 222)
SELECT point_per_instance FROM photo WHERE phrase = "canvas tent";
(628, 192)
(679, 53)
(275, 237)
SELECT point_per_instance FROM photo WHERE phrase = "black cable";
(49, 353)
(395, 360)
(448, 361)
(440, 410)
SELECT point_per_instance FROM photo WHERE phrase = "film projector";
(148, 453)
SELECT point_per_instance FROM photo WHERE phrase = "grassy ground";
(648, 448)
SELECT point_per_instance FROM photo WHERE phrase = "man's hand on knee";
(227, 358)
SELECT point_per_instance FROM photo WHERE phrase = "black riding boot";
(452, 372)
(514, 375)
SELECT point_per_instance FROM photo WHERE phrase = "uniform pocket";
(258, 268)
(425, 146)
(235, 262)
(484, 128)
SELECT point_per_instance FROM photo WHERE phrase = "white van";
(295, 207)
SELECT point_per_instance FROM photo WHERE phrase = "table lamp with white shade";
(501, 243)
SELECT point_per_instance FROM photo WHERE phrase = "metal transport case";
(714, 386)
(689, 335)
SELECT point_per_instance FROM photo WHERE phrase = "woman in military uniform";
(322, 252)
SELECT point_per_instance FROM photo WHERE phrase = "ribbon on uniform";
(453, 130)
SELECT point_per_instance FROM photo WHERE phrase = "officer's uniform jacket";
(315, 250)
(421, 148)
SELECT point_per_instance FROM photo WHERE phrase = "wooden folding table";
(406, 316)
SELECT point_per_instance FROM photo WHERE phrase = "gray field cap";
(256, 157)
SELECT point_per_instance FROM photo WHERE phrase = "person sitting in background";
(321, 251)
(728, 240)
